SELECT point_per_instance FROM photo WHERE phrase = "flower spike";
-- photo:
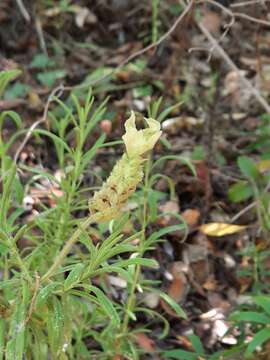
(107, 203)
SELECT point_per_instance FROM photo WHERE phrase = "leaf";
(180, 354)
(18, 190)
(158, 234)
(177, 308)
(143, 91)
(250, 316)
(151, 263)
(220, 229)
(91, 152)
(258, 339)
(97, 75)
(105, 304)
(74, 276)
(264, 302)
(196, 344)
(145, 342)
(248, 167)
(6, 77)
(15, 348)
(17, 90)
(44, 293)
(181, 159)
(41, 61)
(48, 78)
(55, 324)
(240, 191)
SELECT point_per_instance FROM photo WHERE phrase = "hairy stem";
(67, 247)
(132, 295)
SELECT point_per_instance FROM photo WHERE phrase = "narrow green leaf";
(44, 293)
(6, 77)
(138, 261)
(258, 339)
(180, 354)
(250, 316)
(74, 276)
(181, 159)
(91, 152)
(158, 234)
(176, 307)
(106, 304)
(48, 78)
(197, 344)
(263, 301)
(55, 323)
(15, 348)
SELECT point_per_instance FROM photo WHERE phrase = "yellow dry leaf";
(220, 229)
(263, 165)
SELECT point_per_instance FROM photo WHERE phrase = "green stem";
(14, 252)
(66, 249)
(132, 296)
(5, 197)
(154, 20)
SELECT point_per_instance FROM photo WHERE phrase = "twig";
(23, 10)
(38, 122)
(234, 15)
(232, 65)
(243, 211)
(40, 34)
(249, 2)
(251, 18)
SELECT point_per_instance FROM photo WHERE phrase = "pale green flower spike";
(139, 142)
(128, 171)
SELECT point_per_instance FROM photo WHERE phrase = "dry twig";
(249, 2)
(23, 10)
(232, 65)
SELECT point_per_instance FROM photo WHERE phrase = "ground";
(216, 117)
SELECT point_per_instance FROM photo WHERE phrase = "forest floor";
(200, 65)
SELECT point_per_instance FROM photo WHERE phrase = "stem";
(131, 298)
(5, 197)
(154, 20)
(66, 249)
(15, 253)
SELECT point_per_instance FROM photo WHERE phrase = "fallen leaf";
(145, 342)
(84, 15)
(172, 126)
(171, 206)
(34, 101)
(191, 216)
(151, 300)
(220, 229)
(179, 287)
(212, 21)
(263, 165)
